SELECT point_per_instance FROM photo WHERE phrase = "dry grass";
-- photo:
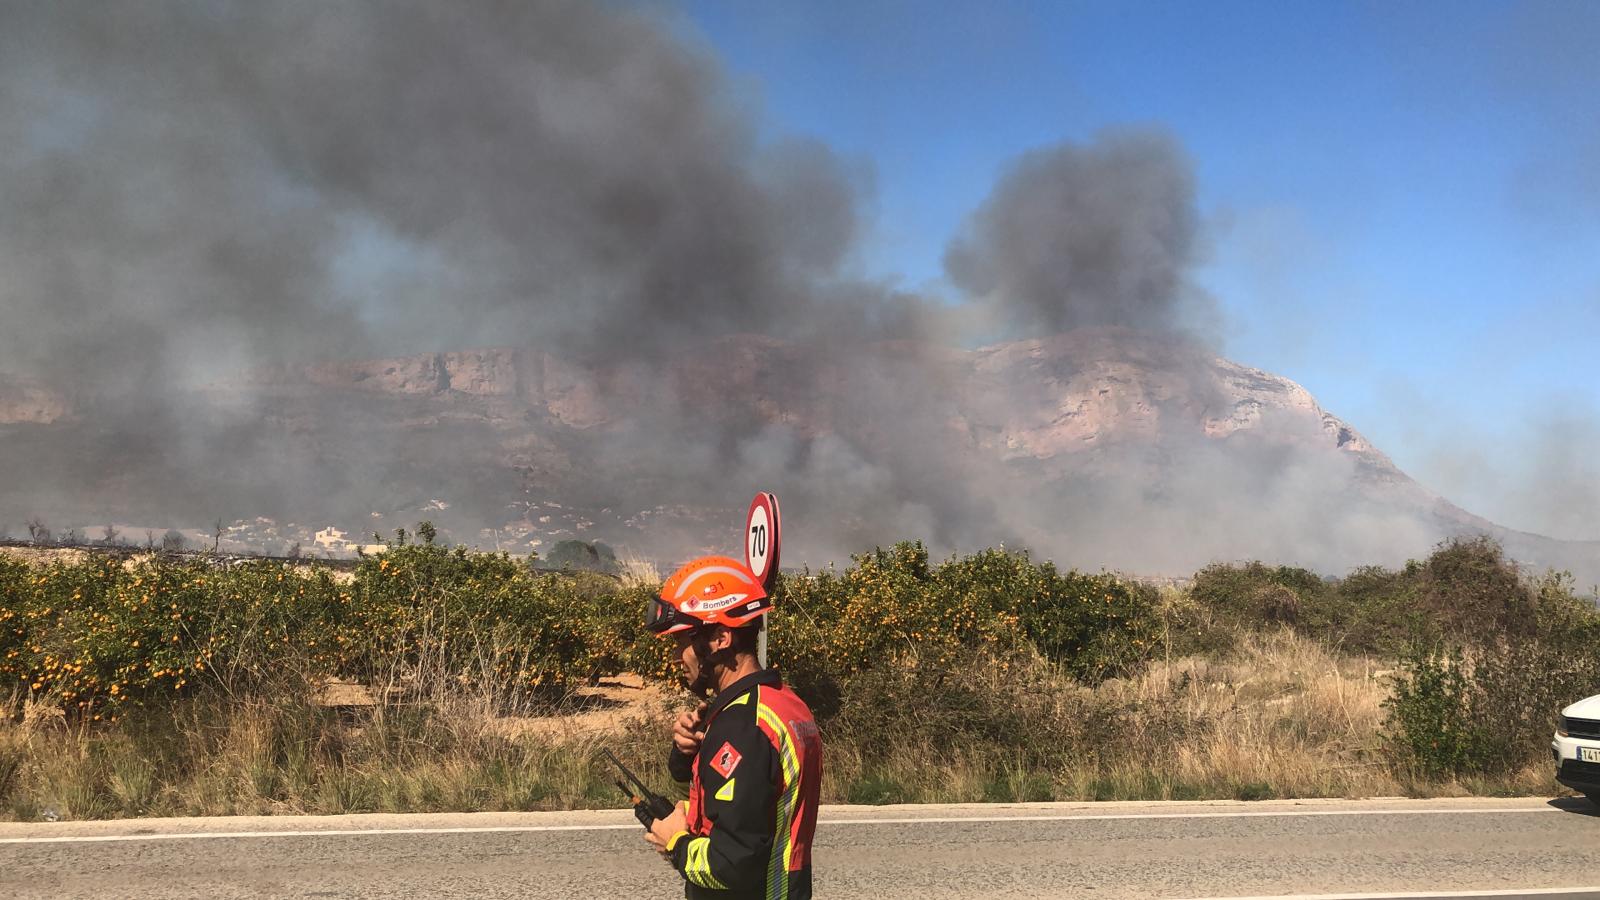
(258, 758)
(638, 572)
(1280, 716)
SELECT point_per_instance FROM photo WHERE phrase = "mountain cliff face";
(1056, 399)
(1066, 394)
(1096, 447)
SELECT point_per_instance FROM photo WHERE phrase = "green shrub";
(423, 621)
(101, 636)
(430, 619)
(1489, 710)
(946, 704)
(1466, 592)
(583, 556)
(1094, 626)
(1470, 592)
(1258, 595)
(892, 604)
(1378, 612)
(1430, 722)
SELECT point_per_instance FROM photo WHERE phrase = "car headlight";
(1561, 727)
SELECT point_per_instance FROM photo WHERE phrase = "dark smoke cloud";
(145, 236)
(189, 181)
(1073, 236)
(192, 191)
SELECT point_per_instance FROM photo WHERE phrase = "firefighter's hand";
(689, 731)
(662, 830)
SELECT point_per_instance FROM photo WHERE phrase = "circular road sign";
(762, 529)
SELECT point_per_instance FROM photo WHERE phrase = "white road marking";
(1422, 895)
(1097, 817)
(343, 832)
(940, 820)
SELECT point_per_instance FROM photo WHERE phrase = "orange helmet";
(713, 590)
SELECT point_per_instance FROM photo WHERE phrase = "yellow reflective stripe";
(782, 846)
(673, 843)
(726, 791)
(697, 867)
(778, 865)
(742, 698)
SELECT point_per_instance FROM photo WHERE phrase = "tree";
(173, 541)
(574, 554)
(37, 532)
(110, 536)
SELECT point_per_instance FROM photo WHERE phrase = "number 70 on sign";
(763, 530)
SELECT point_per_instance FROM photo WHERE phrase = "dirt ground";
(610, 707)
(44, 556)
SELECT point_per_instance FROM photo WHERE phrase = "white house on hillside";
(332, 540)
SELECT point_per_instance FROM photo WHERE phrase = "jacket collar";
(743, 686)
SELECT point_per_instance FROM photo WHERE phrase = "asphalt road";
(1309, 848)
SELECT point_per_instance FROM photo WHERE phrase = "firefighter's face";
(694, 662)
(688, 660)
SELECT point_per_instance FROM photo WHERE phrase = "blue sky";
(1402, 200)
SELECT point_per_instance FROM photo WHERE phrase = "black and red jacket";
(753, 795)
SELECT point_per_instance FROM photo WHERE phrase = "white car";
(1576, 748)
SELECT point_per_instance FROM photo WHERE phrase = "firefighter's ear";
(721, 638)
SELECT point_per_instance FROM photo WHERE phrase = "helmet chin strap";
(707, 660)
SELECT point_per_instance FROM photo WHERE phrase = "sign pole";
(761, 643)
(762, 531)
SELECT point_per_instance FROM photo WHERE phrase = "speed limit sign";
(762, 529)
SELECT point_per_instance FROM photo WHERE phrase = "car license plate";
(1589, 754)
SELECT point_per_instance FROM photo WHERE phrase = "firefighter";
(751, 753)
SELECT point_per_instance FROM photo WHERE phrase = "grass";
(923, 702)
(1279, 716)
(210, 758)
(638, 572)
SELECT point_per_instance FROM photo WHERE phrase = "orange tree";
(893, 607)
(101, 636)
(426, 619)
(418, 620)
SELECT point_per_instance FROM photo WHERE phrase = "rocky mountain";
(1098, 447)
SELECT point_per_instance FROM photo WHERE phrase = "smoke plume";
(1076, 236)
(202, 202)
(194, 187)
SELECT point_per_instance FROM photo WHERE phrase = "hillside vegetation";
(164, 685)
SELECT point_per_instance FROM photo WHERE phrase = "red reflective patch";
(725, 760)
